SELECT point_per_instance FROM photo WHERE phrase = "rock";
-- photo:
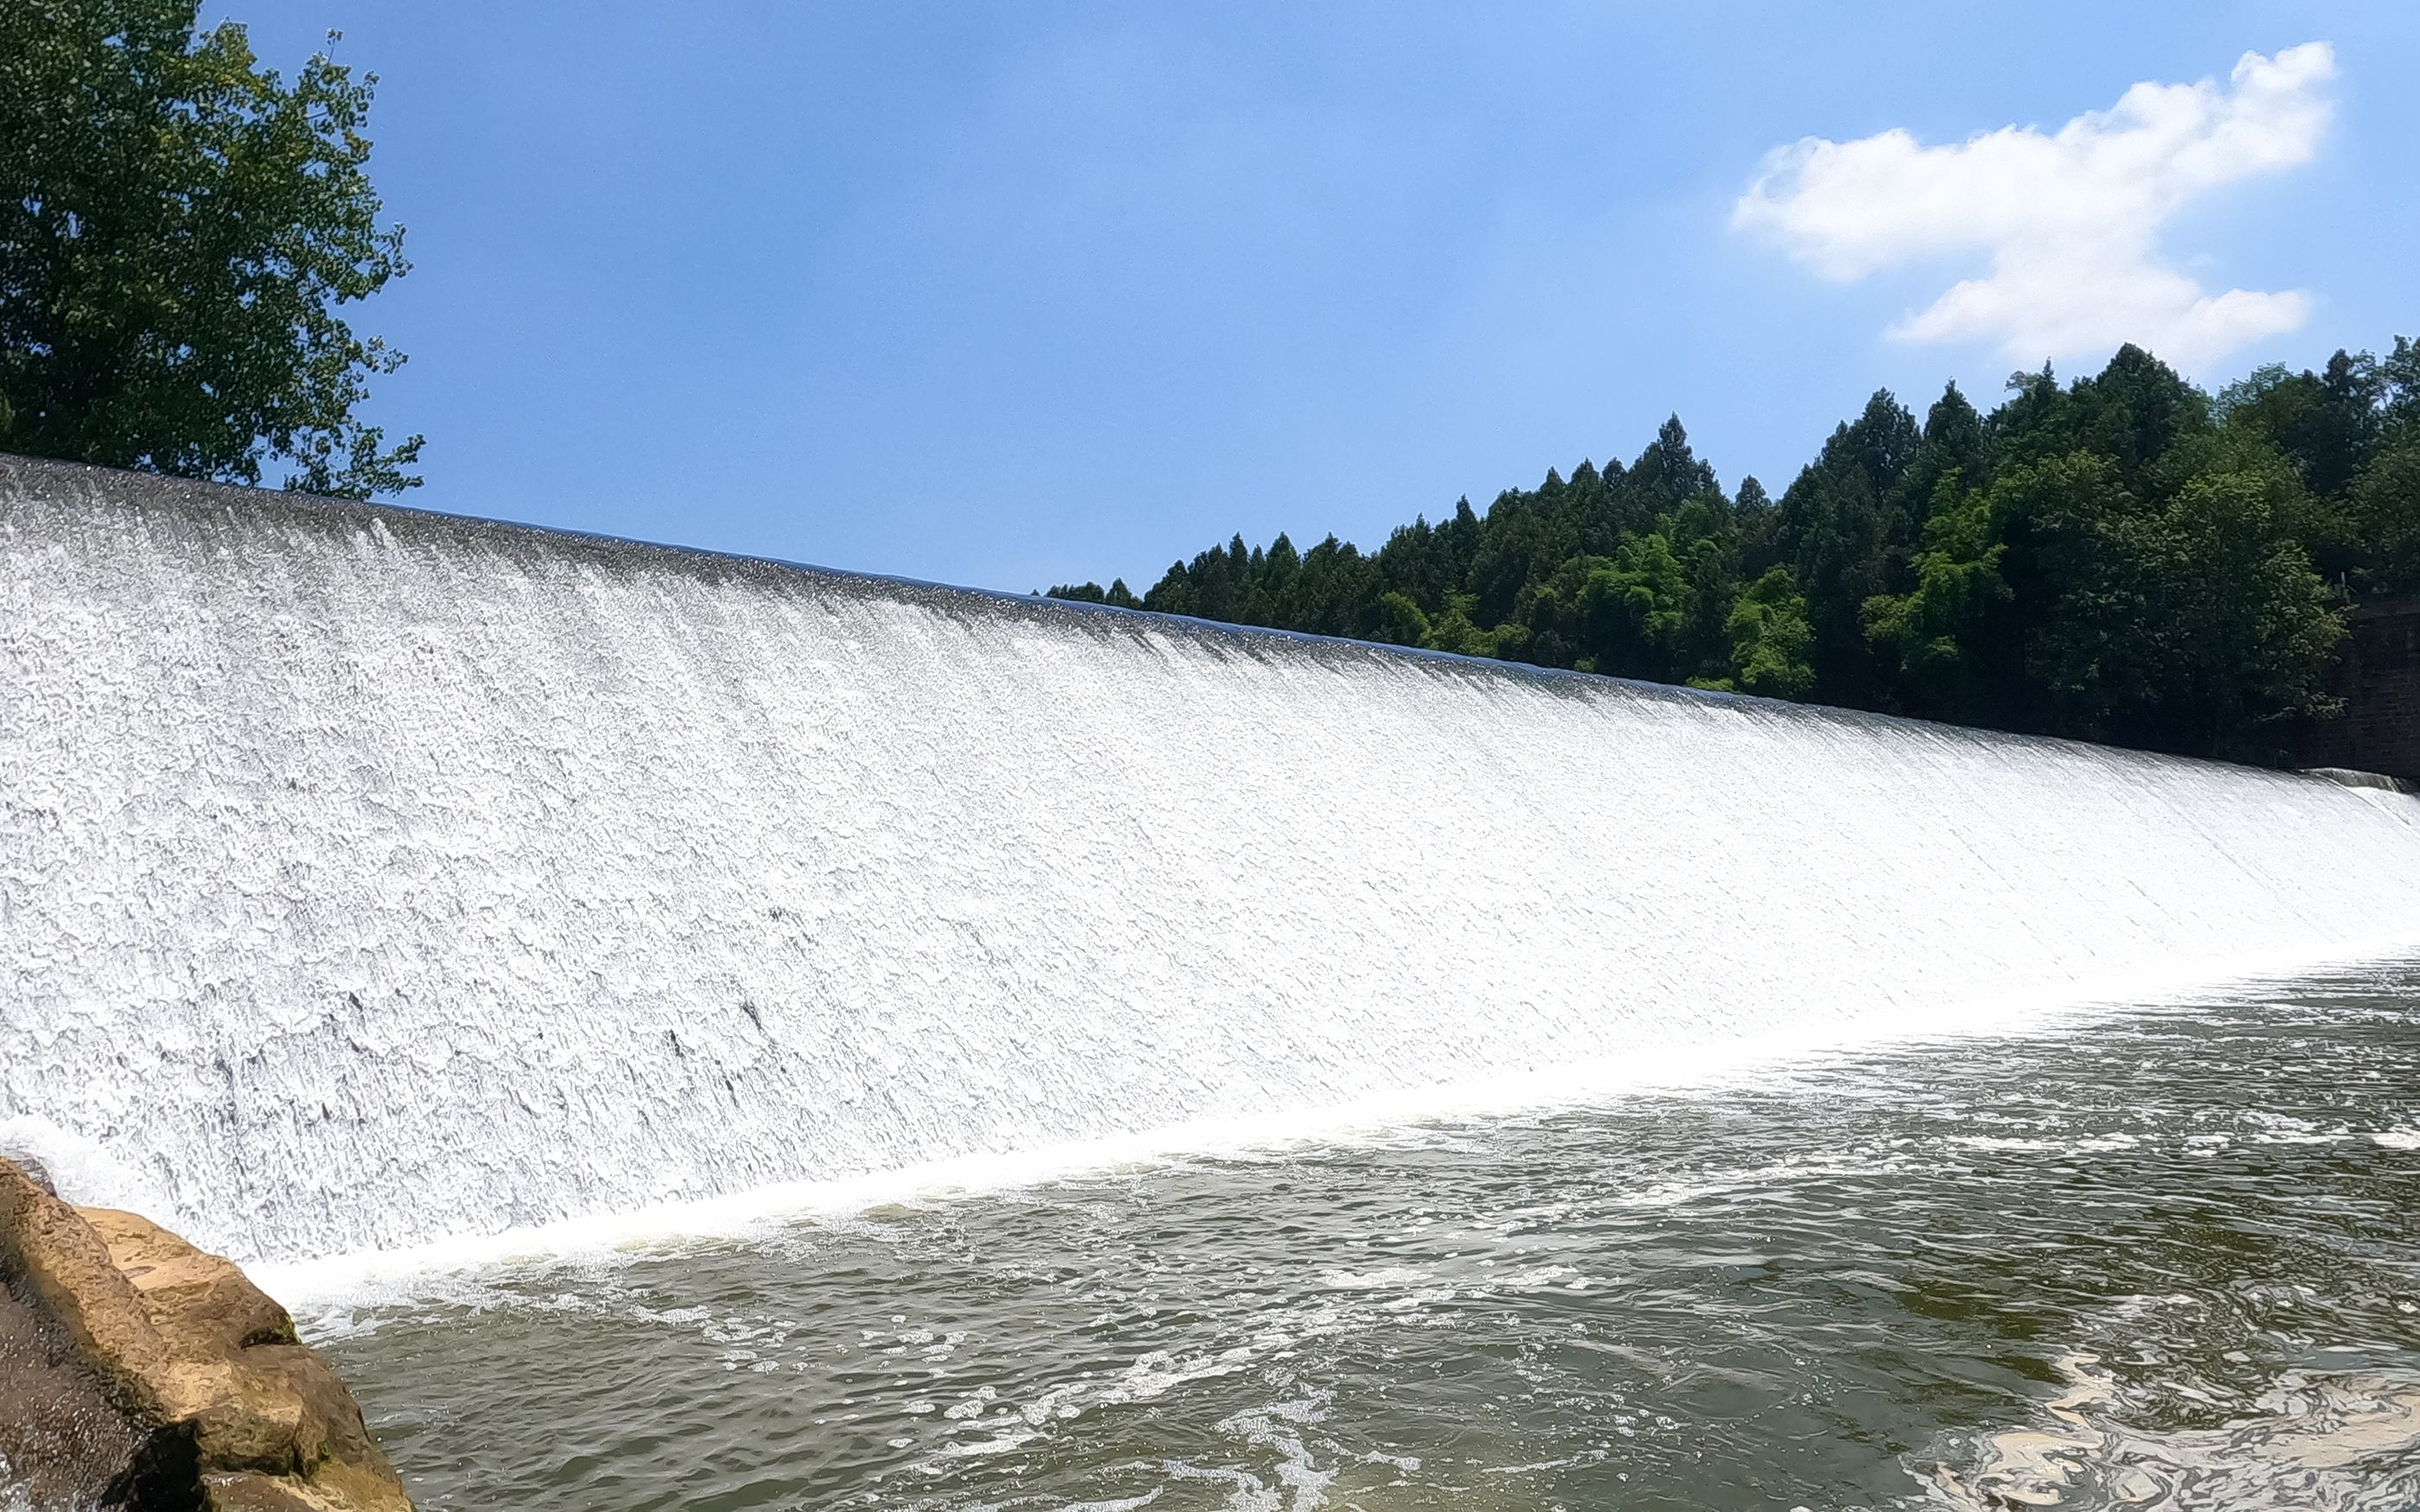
(35, 1170)
(65, 1439)
(178, 1383)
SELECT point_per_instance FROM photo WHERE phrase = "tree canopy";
(2123, 557)
(178, 229)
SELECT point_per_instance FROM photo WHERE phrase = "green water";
(2157, 1255)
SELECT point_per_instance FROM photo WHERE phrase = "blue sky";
(1014, 294)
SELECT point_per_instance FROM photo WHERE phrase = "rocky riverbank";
(138, 1372)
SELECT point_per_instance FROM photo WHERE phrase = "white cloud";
(2070, 218)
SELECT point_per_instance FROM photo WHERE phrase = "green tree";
(1938, 639)
(2196, 626)
(2120, 558)
(2243, 623)
(2383, 506)
(1667, 474)
(2324, 423)
(178, 229)
(1843, 536)
(2381, 510)
(1455, 630)
(2077, 566)
(2133, 413)
(1401, 622)
(1087, 593)
(1770, 639)
(1953, 440)
(1642, 603)
(1330, 593)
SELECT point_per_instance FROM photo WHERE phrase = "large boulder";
(140, 1372)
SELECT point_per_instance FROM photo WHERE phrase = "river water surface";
(2148, 1255)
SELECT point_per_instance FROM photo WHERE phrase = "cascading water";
(369, 876)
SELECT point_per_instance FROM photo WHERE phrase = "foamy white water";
(368, 877)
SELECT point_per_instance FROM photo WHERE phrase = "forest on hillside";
(2123, 557)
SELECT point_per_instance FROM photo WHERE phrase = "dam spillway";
(370, 876)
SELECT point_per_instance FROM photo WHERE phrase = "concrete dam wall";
(370, 876)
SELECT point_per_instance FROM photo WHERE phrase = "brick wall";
(2379, 679)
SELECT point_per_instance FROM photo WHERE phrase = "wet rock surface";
(137, 1371)
(66, 1441)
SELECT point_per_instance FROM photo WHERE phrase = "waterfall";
(369, 876)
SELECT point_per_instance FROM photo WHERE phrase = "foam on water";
(458, 1267)
(370, 877)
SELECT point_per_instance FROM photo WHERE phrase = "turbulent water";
(371, 877)
(2157, 1257)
